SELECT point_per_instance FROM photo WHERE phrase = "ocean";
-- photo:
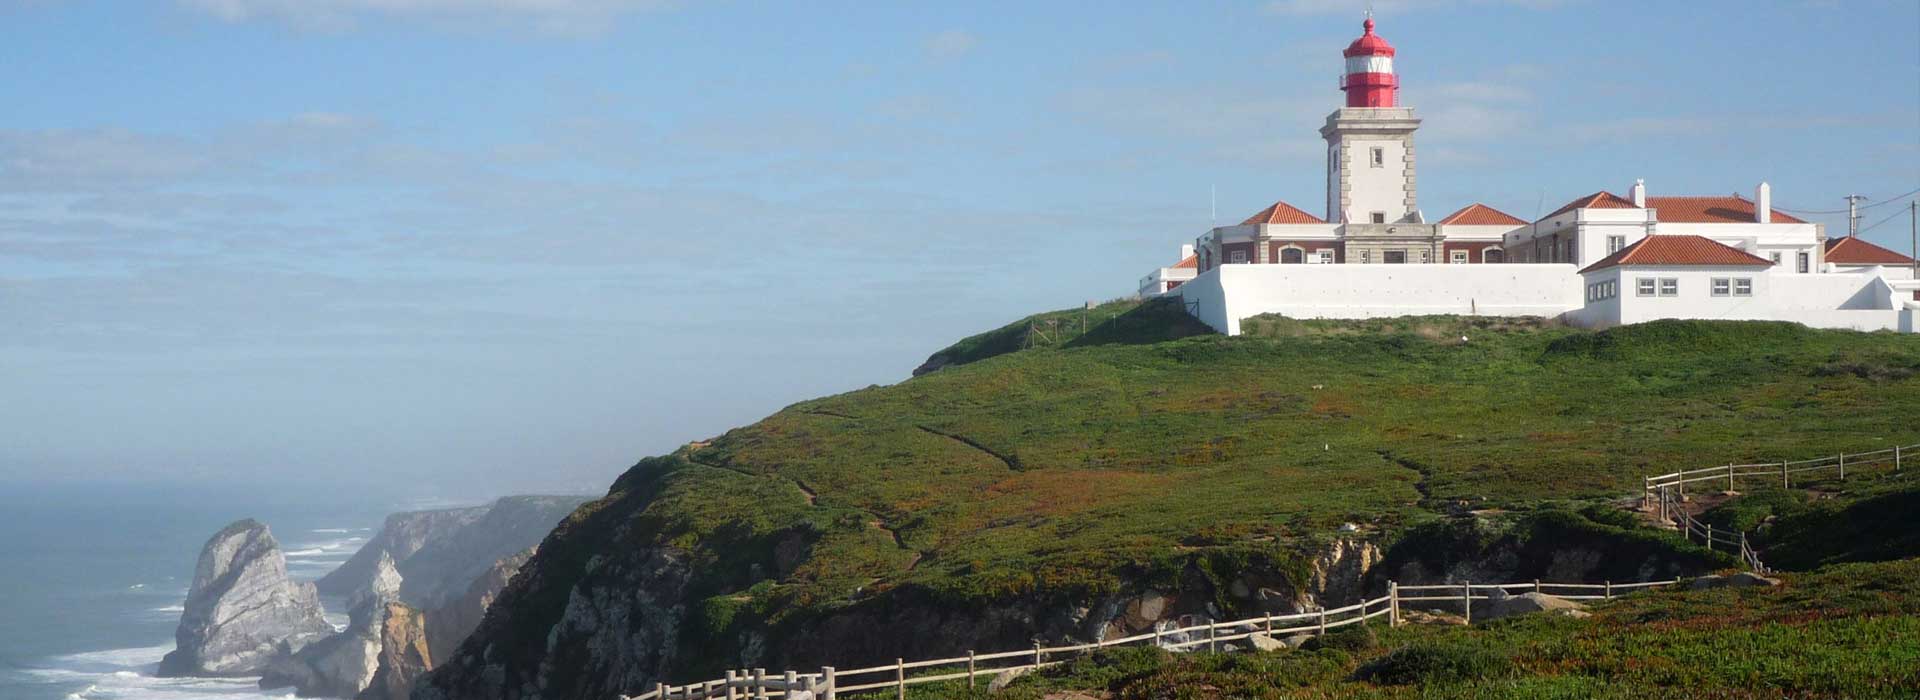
(92, 578)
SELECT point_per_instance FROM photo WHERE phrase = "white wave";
(332, 530)
(127, 674)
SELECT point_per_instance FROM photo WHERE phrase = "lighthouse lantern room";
(1369, 81)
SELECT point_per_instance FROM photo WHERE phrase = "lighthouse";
(1370, 141)
(1369, 81)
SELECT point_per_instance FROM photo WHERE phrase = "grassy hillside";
(1851, 632)
(980, 505)
(1055, 468)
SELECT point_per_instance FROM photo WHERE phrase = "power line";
(1890, 217)
(1888, 200)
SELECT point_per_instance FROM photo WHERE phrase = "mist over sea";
(94, 576)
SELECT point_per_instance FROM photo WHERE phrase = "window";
(1743, 286)
(1774, 256)
(1644, 286)
(1326, 256)
(1803, 261)
(1292, 256)
(1573, 252)
(1458, 257)
(1669, 286)
(1379, 217)
(1237, 257)
(1426, 256)
(1722, 286)
(1615, 243)
(1599, 291)
(1366, 256)
(1493, 255)
(1394, 257)
(1379, 157)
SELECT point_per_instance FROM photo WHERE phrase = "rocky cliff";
(445, 567)
(399, 538)
(241, 608)
(411, 640)
(439, 553)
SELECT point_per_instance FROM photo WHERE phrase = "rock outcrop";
(344, 664)
(241, 608)
(1499, 604)
(405, 655)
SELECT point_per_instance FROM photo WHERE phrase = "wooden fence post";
(1393, 603)
(792, 680)
(1212, 633)
(970, 671)
(1682, 483)
(1036, 655)
(1729, 476)
(760, 684)
(1896, 459)
(1466, 601)
(1843, 466)
(900, 678)
(659, 691)
(1156, 637)
(1323, 619)
(1786, 482)
(827, 675)
(1536, 585)
(1609, 590)
(732, 693)
(1709, 537)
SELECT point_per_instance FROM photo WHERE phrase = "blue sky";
(493, 245)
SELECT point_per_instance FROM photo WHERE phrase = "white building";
(1645, 257)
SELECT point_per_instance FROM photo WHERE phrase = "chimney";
(1638, 193)
(1763, 203)
(1186, 250)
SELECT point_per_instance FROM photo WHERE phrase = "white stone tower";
(1370, 141)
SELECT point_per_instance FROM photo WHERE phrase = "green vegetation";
(1139, 454)
(1849, 631)
(1125, 321)
(1870, 517)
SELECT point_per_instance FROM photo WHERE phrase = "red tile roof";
(1730, 209)
(1853, 251)
(1282, 213)
(1189, 261)
(1598, 200)
(1477, 214)
(1679, 250)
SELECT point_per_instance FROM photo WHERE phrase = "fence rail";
(828, 682)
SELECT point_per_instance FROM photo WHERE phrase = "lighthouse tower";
(1370, 141)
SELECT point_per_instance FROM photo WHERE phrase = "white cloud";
(951, 43)
(545, 17)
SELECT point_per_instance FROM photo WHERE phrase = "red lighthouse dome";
(1369, 81)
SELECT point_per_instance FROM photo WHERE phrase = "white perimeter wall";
(1222, 297)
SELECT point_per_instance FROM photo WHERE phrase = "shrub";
(1352, 638)
(1436, 663)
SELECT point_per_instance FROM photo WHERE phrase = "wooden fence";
(1666, 492)
(829, 682)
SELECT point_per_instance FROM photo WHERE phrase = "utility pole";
(1853, 214)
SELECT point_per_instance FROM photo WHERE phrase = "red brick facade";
(1309, 249)
(1476, 250)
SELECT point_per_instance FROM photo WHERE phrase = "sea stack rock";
(242, 608)
(344, 664)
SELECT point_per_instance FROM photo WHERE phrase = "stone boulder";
(1500, 606)
(1005, 678)
(242, 608)
(1744, 579)
(1261, 642)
